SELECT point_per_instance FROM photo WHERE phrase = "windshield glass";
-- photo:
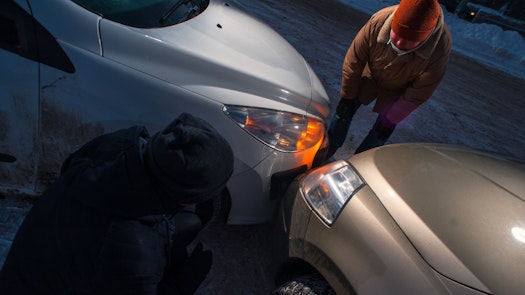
(146, 13)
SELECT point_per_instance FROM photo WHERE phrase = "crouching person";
(114, 222)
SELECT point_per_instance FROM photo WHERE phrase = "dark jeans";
(338, 130)
(378, 136)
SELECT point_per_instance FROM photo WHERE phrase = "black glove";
(206, 211)
(187, 226)
(346, 108)
(189, 274)
(338, 128)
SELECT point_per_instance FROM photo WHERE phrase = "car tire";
(311, 284)
(214, 210)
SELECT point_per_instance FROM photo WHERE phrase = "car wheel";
(311, 284)
(214, 210)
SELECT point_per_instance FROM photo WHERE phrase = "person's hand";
(346, 108)
(189, 275)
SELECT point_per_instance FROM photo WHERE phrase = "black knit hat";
(190, 160)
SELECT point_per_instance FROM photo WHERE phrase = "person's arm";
(355, 61)
(131, 259)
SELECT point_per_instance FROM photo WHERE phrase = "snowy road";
(474, 106)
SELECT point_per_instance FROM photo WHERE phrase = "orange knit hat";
(414, 20)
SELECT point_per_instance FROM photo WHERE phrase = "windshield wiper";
(172, 10)
(193, 12)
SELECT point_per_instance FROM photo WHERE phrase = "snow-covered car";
(405, 219)
(509, 15)
(504, 17)
(71, 70)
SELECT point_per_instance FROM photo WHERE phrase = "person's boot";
(371, 141)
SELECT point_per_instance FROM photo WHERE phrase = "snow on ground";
(486, 43)
(13, 209)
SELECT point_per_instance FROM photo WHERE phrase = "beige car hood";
(462, 210)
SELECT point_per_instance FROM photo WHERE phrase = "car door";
(24, 47)
(18, 97)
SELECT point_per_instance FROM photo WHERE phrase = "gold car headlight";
(328, 188)
(284, 131)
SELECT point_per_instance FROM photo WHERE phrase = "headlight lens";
(284, 131)
(328, 188)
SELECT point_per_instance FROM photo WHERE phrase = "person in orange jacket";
(398, 59)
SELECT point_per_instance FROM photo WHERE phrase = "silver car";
(405, 219)
(73, 69)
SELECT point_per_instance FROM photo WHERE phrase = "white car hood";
(223, 54)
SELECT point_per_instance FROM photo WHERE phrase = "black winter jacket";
(100, 229)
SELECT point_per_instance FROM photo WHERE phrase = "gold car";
(405, 219)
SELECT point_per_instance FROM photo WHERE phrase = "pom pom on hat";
(414, 20)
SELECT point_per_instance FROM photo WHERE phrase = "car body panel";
(125, 76)
(431, 219)
(81, 30)
(456, 207)
(21, 101)
(375, 250)
(201, 57)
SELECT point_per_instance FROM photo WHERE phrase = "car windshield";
(146, 13)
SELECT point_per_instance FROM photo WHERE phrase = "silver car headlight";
(328, 188)
(284, 131)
